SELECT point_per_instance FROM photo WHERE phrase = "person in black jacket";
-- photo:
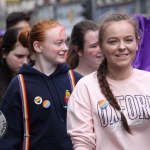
(12, 56)
(48, 87)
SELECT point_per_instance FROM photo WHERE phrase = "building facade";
(69, 12)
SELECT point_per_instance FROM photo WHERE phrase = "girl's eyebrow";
(96, 43)
(116, 37)
(58, 39)
(111, 38)
(129, 36)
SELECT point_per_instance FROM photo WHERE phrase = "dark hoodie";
(47, 125)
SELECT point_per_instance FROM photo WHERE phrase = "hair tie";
(120, 111)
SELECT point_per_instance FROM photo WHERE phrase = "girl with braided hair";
(110, 108)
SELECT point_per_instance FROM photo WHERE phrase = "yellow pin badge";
(67, 96)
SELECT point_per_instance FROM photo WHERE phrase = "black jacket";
(47, 125)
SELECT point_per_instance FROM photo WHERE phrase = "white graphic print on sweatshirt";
(136, 109)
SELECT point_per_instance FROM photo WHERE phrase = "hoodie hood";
(50, 82)
(28, 69)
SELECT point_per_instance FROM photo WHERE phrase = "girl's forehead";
(118, 24)
(118, 28)
(90, 34)
(58, 31)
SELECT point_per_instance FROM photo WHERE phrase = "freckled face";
(91, 55)
(17, 57)
(54, 47)
(119, 44)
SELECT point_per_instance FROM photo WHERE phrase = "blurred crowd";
(89, 91)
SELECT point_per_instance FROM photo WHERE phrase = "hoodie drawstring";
(54, 100)
(59, 95)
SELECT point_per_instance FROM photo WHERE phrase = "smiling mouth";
(122, 55)
(98, 56)
(62, 55)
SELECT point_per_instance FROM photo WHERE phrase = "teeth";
(121, 55)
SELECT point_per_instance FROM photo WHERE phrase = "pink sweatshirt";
(94, 125)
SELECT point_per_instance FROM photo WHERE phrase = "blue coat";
(47, 125)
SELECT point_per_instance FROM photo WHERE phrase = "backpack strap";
(72, 79)
(24, 112)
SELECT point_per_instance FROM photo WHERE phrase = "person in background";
(110, 108)
(12, 56)
(48, 83)
(2, 32)
(84, 54)
(17, 20)
(142, 59)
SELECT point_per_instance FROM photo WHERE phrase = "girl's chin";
(61, 61)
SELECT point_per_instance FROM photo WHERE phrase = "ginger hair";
(28, 36)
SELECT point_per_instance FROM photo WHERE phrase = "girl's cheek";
(111, 50)
(94, 52)
(56, 51)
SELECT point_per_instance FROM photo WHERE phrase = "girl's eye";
(58, 43)
(94, 46)
(20, 56)
(129, 40)
(112, 42)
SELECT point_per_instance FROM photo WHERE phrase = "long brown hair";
(102, 70)
(8, 44)
(77, 39)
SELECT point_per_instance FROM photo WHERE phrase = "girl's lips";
(100, 55)
(122, 55)
(62, 55)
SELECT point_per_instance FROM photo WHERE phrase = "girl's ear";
(76, 48)
(138, 42)
(37, 47)
(99, 44)
(4, 55)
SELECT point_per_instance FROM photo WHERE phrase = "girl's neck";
(45, 68)
(84, 69)
(119, 73)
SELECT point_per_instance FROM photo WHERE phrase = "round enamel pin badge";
(38, 100)
(3, 125)
(46, 103)
(103, 104)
